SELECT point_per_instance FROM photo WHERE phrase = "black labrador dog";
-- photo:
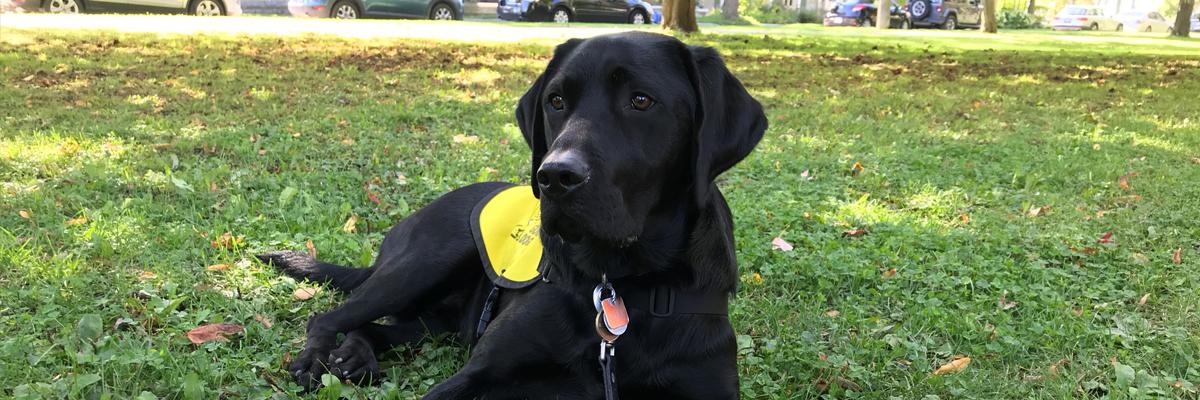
(628, 133)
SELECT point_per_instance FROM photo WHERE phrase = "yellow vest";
(507, 226)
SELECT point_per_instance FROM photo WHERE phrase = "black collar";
(663, 301)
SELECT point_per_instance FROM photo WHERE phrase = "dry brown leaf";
(374, 198)
(953, 366)
(262, 152)
(833, 313)
(146, 275)
(305, 293)
(212, 187)
(1142, 301)
(77, 221)
(1059, 363)
(226, 241)
(821, 385)
(889, 273)
(966, 219)
(312, 250)
(468, 139)
(856, 232)
(217, 267)
(351, 224)
(1195, 160)
(779, 244)
(857, 168)
(822, 357)
(1038, 211)
(1106, 238)
(23, 214)
(1123, 181)
(1177, 256)
(211, 332)
(264, 320)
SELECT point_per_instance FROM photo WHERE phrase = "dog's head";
(624, 125)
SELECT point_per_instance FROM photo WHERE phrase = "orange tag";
(616, 319)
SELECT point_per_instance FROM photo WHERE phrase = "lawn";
(1031, 207)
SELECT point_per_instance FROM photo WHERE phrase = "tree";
(882, 17)
(1183, 18)
(729, 10)
(988, 24)
(679, 15)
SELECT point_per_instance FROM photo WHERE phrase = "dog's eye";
(641, 102)
(557, 102)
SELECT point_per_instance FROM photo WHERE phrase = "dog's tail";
(300, 265)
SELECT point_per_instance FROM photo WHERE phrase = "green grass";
(131, 154)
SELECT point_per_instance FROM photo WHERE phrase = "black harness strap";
(485, 317)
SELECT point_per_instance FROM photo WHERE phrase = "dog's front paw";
(355, 361)
(309, 366)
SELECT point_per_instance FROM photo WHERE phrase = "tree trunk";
(988, 24)
(1183, 19)
(679, 15)
(882, 14)
(729, 9)
(1030, 7)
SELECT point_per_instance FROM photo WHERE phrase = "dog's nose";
(561, 173)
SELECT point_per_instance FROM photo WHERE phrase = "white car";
(1091, 18)
(1143, 21)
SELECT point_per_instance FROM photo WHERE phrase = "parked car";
(945, 14)
(1196, 22)
(194, 7)
(862, 13)
(1143, 21)
(563, 11)
(1076, 18)
(352, 9)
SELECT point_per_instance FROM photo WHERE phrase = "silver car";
(195, 7)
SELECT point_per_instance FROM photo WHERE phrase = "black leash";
(607, 352)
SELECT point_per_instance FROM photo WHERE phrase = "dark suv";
(945, 14)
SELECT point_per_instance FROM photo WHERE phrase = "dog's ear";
(729, 122)
(531, 115)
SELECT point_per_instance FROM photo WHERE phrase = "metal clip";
(598, 294)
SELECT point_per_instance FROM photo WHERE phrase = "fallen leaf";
(1096, 146)
(23, 214)
(833, 313)
(1133, 198)
(1038, 211)
(1142, 301)
(779, 244)
(1107, 238)
(1059, 363)
(468, 139)
(856, 169)
(217, 267)
(374, 198)
(146, 275)
(77, 221)
(1195, 160)
(847, 384)
(856, 232)
(305, 293)
(1123, 181)
(805, 175)
(953, 366)
(211, 332)
(225, 241)
(757, 277)
(966, 219)
(213, 188)
(889, 273)
(1139, 258)
(821, 385)
(262, 152)
(822, 357)
(351, 224)
(1177, 256)
(1004, 304)
(264, 320)
(312, 250)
